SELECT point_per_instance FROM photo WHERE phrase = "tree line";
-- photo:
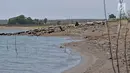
(21, 19)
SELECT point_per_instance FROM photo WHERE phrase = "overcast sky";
(57, 9)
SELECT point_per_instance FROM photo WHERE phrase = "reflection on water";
(35, 55)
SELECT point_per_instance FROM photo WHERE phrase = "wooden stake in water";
(15, 46)
(7, 45)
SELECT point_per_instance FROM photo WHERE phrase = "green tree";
(12, 21)
(29, 20)
(17, 20)
(35, 21)
(45, 20)
(112, 16)
(21, 19)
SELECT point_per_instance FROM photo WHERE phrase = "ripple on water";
(35, 55)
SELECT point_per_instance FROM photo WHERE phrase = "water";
(35, 55)
(10, 31)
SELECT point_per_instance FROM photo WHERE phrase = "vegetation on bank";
(112, 17)
(21, 19)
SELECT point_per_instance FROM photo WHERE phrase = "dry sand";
(95, 52)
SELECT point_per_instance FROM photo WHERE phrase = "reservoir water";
(35, 54)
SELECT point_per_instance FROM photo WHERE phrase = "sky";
(58, 9)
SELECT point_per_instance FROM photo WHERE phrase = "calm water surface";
(35, 55)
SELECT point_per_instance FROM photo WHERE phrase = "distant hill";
(3, 21)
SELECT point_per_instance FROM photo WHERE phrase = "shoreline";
(92, 59)
(86, 60)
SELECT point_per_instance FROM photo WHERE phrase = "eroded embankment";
(37, 32)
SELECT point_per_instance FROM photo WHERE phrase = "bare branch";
(125, 51)
(125, 44)
(117, 45)
(109, 37)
